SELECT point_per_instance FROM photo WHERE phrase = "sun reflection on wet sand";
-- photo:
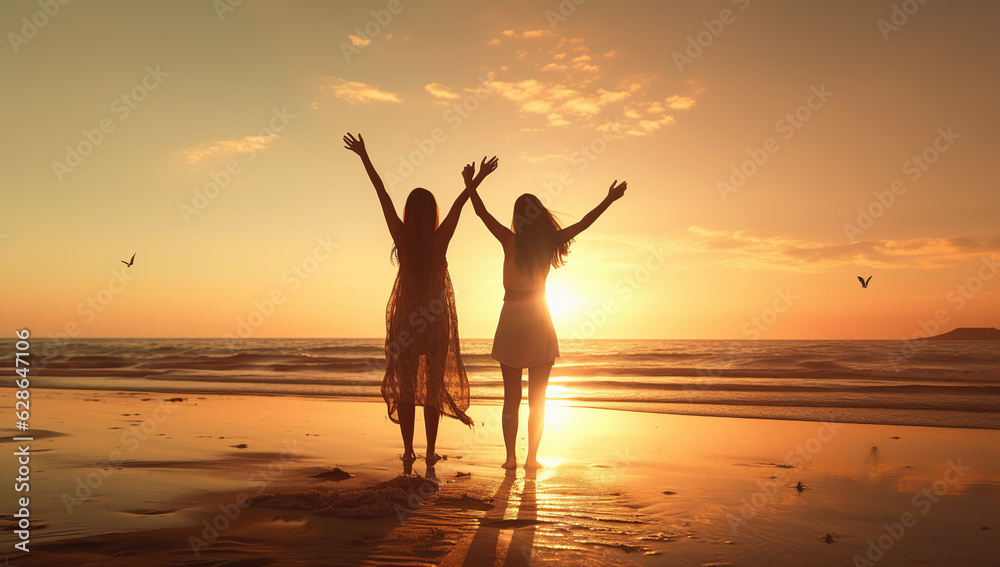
(617, 487)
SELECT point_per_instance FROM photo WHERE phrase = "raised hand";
(392, 220)
(468, 173)
(487, 167)
(617, 190)
(356, 145)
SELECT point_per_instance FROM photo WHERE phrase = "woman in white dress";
(525, 337)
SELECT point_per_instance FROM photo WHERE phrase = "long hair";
(420, 220)
(535, 229)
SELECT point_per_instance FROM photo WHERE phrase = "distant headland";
(970, 334)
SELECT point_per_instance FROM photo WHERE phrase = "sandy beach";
(130, 478)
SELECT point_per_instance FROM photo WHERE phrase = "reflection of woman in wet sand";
(423, 364)
(525, 337)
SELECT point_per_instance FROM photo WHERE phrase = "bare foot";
(532, 464)
(432, 459)
(510, 463)
(409, 456)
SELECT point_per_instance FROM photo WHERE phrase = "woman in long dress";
(525, 337)
(423, 363)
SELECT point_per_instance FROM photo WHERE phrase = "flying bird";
(864, 282)
(129, 263)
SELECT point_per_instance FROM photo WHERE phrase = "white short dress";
(525, 336)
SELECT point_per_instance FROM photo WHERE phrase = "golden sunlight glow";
(562, 302)
(557, 392)
(549, 465)
(568, 115)
(557, 414)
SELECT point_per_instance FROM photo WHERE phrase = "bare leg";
(511, 406)
(406, 368)
(406, 412)
(538, 381)
(432, 416)
(433, 400)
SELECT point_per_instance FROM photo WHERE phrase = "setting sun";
(562, 301)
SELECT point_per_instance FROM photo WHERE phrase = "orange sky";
(750, 134)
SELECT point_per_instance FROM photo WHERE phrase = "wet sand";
(130, 478)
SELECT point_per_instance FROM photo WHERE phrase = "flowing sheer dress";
(423, 363)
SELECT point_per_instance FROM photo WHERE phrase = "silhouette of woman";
(423, 364)
(525, 337)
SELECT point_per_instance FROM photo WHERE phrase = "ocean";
(930, 383)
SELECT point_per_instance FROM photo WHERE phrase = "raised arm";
(502, 233)
(357, 145)
(570, 232)
(472, 181)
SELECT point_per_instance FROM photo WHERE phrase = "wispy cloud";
(680, 102)
(225, 148)
(440, 91)
(750, 250)
(356, 92)
(558, 78)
